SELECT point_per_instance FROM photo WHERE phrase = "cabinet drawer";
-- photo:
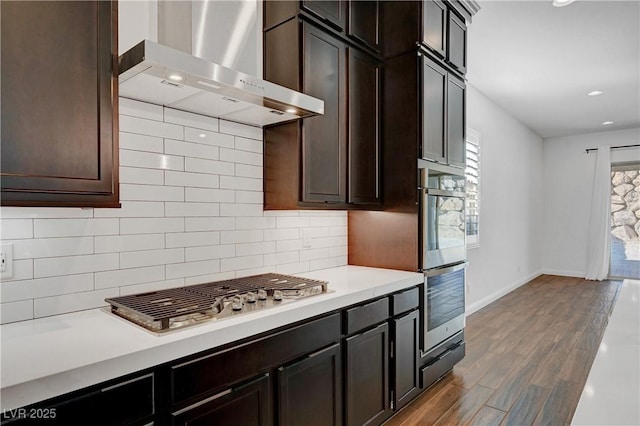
(432, 372)
(405, 301)
(206, 375)
(367, 315)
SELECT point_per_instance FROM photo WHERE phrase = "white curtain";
(599, 242)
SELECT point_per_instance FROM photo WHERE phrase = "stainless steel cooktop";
(175, 308)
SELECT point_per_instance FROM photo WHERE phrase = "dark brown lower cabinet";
(406, 355)
(310, 390)
(367, 377)
(248, 404)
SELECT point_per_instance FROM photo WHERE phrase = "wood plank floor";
(528, 357)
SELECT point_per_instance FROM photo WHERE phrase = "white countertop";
(51, 356)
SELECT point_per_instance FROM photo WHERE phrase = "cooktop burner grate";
(178, 307)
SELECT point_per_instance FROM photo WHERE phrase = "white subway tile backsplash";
(42, 213)
(188, 149)
(13, 229)
(247, 249)
(148, 127)
(192, 239)
(193, 254)
(190, 269)
(135, 142)
(255, 222)
(141, 176)
(69, 265)
(136, 259)
(238, 210)
(126, 243)
(126, 277)
(245, 170)
(208, 138)
(56, 305)
(209, 166)
(197, 180)
(22, 269)
(184, 118)
(192, 209)
(241, 262)
(192, 224)
(244, 144)
(43, 287)
(246, 236)
(44, 228)
(151, 225)
(209, 195)
(242, 157)
(151, 160)
(51, 247)
(191, 213)
(153, 286)
(134, 209)
(16, 311)
(131, 192)
(246, 184)
(237, 129)
(250, 197)
(140, 109)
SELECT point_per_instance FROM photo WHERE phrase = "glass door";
(625, 221)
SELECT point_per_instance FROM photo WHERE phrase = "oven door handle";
(439, 271)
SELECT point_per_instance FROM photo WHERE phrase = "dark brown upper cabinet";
(434, 108)
(332, 12)
(59, 103)
(457, 43)
(364, 18)
(328, 161)
(434, 26)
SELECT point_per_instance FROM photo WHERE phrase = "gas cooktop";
(175, 308)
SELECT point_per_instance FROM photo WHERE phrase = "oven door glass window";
(446, 222)
(445, 298)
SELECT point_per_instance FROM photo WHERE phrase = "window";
(472, 173)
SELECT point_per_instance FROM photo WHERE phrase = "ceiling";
(539, 62)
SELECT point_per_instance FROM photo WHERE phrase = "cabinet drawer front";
(361, 317)
(405, 301)
(432, 372)
(209, 374)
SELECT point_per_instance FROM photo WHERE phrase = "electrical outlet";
(306, 238)
(6, 261)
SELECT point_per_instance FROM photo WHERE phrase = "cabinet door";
(367, 377)
(434, 89)
(59, 103)
(364, 22)
(405, 359)
(310, 391)
(364, 131)
(456, 144)
(434, 25)
(332, 12)
(324, 147)
(457, 43)
(247, 404)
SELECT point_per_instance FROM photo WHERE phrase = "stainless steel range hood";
(158, 74)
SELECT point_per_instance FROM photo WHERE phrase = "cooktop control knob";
(251, 297)
(277, 295)
(262, 294)
(236, 303)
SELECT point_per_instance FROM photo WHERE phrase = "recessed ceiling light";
(607, 123)
(291, 110)
(202, 135)
(595, 93)
(562, 3)
(176, 77)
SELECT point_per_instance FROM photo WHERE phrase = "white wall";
(510, 203)
(191, 213)
(568, 178)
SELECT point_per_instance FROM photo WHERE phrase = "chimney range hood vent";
(158, 74)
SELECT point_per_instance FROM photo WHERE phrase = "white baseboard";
(562, 273)
(498, 294)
